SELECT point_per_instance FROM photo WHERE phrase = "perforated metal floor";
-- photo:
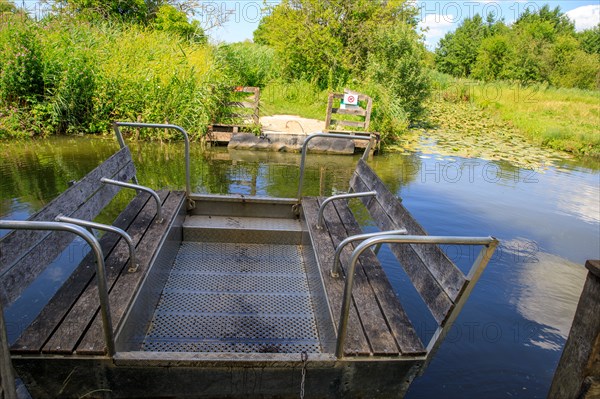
(226, 297)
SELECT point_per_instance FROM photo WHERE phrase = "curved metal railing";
(100, 267)
(486, 253)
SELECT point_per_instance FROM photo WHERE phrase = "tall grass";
(92, 74)
(559, 118)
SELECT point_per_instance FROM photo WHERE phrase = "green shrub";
(21, 70)
(248, 64)
(89, 74)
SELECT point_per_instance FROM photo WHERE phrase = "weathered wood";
(329, 111)
(347, 123)
(430, 290)
(578, 372)
(67, 335)
(340, 96)
(365, 113)
(356, 112)
(127, 284)
(368, 114)
(14, 245)
(400, 325)
(356, 342)
(374, 324)
(28, 268)
(35, 336)
(7, 377)
(242, 104)
(247, 89)
(440, 266)
(248, 108)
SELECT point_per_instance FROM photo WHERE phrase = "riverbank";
(555, 118)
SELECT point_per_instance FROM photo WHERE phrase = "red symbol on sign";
(351, 99)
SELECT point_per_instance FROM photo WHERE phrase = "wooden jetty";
(219, 296)
(244, 116)
(361, 124)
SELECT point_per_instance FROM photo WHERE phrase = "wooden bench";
(71, 322)
(377, 323)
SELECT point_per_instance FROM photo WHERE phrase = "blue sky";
(438, 17)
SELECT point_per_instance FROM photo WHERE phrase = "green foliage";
(121, 10)
(555, 20)
(21, 80)
(458, 50)
(590, 40)
(248, 64)
(89, 74)
(371, 46)
(558, 118)
(169, 19)
(395, 64)
(293, 98)
(540, 47)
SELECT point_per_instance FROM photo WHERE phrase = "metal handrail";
(338, 197)
(371, 139)
(188, 186)
(472, 277)
(335, 269)
(133, 266)
(100, 266)
(141, 188)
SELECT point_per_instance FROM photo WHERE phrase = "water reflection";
(528, 292)
(548, 290)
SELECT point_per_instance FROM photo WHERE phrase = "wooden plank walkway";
(378, 326)
(70, 322)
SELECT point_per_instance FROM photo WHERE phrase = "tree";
(590, 40)
(557, 21)
(457, 52)
(124, 10)
(369, 43)
(328, 41)
(169, 19)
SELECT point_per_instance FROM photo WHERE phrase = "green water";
(546, 214)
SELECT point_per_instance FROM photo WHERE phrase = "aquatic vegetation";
(466, 130)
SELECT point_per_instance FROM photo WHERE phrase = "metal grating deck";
(229, 297)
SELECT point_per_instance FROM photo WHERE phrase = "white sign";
(350, 99)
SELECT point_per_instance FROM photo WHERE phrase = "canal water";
(509, 337)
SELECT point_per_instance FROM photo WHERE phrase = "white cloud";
(437, 26)
(585, 17)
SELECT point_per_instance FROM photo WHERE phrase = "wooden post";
(578, 372)
(7, 377)
(328, 116)
(368, 115)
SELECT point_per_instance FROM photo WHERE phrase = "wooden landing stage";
(209, 296)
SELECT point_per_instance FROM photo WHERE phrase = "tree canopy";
(541, 46)
(332, 43)
(165, 15)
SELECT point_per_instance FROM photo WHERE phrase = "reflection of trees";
(34, 172)
(397, 171)
(275, 174)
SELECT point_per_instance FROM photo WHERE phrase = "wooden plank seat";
(70, 322)
(437, 279)
(377, 323)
